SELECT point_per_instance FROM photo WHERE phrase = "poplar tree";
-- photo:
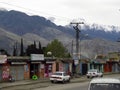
(21, 51)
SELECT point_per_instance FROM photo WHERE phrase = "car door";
(66, 77)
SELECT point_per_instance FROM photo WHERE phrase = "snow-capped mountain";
(24, 26)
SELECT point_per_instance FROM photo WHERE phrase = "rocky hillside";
(15, 25)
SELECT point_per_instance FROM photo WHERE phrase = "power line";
(36, 11)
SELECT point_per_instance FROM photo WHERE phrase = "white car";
(94, 73)
(59, 77)
(104, 84)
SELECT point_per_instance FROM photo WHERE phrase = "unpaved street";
(71, 86)
(75, 84)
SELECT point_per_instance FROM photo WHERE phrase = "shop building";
(114, 61)
(19, 67)
(4, 68)
(98, 63)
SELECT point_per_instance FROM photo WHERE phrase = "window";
(58, 74)
(105, 86)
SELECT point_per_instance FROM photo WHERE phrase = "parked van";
(104, 84)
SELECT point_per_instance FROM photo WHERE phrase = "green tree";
(15, 49)
(21, 49)
(4, 52)
(32, 49)
(57, 49)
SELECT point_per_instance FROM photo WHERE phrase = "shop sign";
(100, 61)
(35, 62)
(37, 57)
(3, 59)
(18, 63)
(76, 62)
(49, 62)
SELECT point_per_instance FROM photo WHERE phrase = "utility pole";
(77, 35)
(72, 49)
(76, 62)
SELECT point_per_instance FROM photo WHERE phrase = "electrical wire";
(31, 11)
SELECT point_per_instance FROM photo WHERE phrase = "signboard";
(100, 61)
(37, 57)
(76, 62)
(18, 63)
(3, 59)
(50, 62)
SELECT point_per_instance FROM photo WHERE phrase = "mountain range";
(15, 25)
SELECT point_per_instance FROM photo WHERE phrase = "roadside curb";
(31, 82)
(16, 83)
(74, 80)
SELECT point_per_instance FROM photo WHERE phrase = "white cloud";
(93, 11)
(52, 19)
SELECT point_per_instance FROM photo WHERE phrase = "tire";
(69, 80)
(52, 81)
(63, 81)
(88, 77)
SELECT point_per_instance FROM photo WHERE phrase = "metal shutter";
(17, 72)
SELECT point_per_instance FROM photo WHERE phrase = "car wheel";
(52, 81)
(63, 81)
(88, 77)
(69, 80)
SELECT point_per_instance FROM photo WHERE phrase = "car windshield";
(58, 74)
(111, 86)
(92, 71)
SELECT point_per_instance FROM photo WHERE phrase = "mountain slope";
(90, 48)
(20, 23)
(16, 25)
(8, 40)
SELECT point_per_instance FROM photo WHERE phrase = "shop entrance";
(48, 70)
(84, 68)
(34, 70)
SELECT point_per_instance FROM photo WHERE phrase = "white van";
(104, 84)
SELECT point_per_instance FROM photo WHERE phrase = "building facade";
(21, 68)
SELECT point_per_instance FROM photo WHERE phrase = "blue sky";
(62, 12)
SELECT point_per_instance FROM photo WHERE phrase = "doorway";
(34, 70)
